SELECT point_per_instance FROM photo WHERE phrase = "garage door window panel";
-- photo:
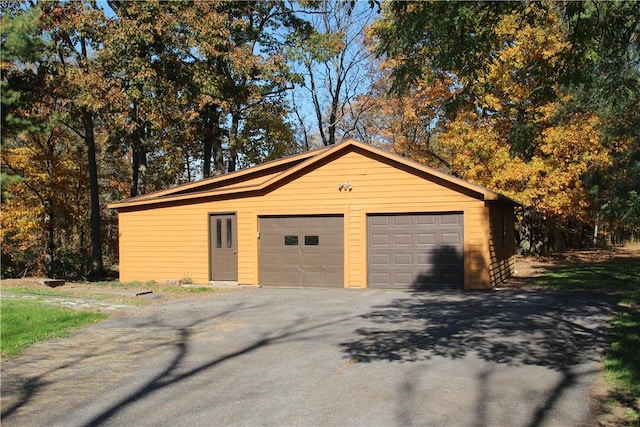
(424, 259)
(311, 240)
(311, 261)
(332, 240)
(450, 239)
(380, 220)
(403, 277)
(426, 220)
(449, 219)
(380, 259)
(334, 260)
(290, 260)
(402, 220)
(291, 240)
(403, 259)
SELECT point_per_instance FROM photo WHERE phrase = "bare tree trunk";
(233, 142)
(333, 119)
(208, 148)
(187, 162)
(51, 249)
(139, 169)
(138, 156)
(218, 157)
(317, 107)
(211, 136)
(305, 136)
(97, 267)
(595, 229)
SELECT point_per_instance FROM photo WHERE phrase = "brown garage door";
(302, 251)
(420, 251)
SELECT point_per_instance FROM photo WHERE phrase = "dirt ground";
(530, 268)
(117, 298)
(110, 298)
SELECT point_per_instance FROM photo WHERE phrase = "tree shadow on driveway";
(173, 345)
(555, 330)
(140, 338)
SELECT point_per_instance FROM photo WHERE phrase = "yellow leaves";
(21, 222)
(476, 151)
(532, 44)
(515, 140)
(568, 151)
(405, 124)
(51, 195)
(550, 181)
(410, 116)
(576, 142)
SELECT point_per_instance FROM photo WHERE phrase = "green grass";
(612, 275)
(622, 359)
(26, 317)
(25, 322)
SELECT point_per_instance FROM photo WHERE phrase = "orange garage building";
(349, 215)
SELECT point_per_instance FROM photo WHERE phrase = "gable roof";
(270, 174)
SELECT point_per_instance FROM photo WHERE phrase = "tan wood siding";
(501, 242)
(171, 242)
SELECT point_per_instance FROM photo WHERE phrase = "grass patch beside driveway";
(25, 322)
(32, 312)
(622, 359)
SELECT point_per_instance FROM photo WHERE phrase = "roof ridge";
(223, 177)
(307, 158)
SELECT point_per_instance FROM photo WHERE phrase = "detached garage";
(349, 215)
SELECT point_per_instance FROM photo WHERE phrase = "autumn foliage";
(514, 114)
(101, 101)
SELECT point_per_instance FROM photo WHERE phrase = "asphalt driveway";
(321, 357)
